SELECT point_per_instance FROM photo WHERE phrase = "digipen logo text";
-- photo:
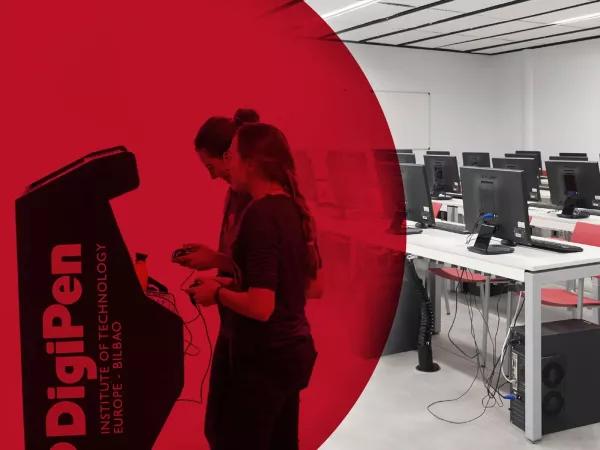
(65, 343)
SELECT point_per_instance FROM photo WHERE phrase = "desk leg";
(486, 319)
(533, 358)
(580, 298)
(437, 302)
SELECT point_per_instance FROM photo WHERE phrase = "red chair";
(587, 234)
(437, 206)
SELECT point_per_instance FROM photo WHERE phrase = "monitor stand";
(568, 211)
(397, 228)
(482, 243)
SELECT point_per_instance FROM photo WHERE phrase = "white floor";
(392, 412)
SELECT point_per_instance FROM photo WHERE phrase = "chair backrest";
(587, 234)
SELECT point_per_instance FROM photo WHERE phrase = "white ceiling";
(474, 26)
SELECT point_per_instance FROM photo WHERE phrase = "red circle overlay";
(80, 77)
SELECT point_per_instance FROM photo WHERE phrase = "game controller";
(193, 285)
(181, 252)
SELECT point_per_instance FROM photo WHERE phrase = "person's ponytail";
(308, 224)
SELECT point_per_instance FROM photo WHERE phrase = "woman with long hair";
(272, 352)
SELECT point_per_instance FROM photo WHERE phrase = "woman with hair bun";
(211, 144)
(272, 352)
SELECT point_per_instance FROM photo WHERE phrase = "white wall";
(566, 98)
(474, 104)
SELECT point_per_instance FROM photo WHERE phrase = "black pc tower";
(537, 155)
(574, 184)
(442, 175)
(570, 374)
(532, 173)
(495, 205)
(472, 159)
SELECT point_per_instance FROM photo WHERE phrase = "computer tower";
(570, 375)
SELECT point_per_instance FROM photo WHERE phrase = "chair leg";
(486, 318)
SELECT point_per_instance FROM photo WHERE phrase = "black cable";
(492, 397)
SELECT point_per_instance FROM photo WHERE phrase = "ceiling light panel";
(442, 41)
(532, 7)
(363, 15)
(553, 40)
(405, 37)
(466, 46)
(570, 14)
(461, 24)
(400, 23)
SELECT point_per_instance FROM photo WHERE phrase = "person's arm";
(257, 303)
(316, 284)
(261, 241)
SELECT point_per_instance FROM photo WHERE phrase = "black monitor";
(385, 155)
(442, 175)
(407, 158)
(476, 159)
(532, 173)
(495, 205)
(438, 152)
(416, 195)
(532, 153)
(568, 158)
(572, 154)
(574, 184)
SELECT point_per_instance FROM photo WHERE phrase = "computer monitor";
(407, 158)
(418, 205)
(572, 154)
(438, 152)
(534, 154)
(476, 159)
(568, 158)
(390, 184)
(495, 205)
(442, 175)
(392, 156)
(574, 184)
(532, 173)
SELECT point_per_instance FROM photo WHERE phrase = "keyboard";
(405, 231)
(591, 212)
(451, 227)
(544, 206)
(554, 246)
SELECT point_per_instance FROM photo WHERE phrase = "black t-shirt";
(271, 253)
(235, 205)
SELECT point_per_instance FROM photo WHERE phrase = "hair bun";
(243, 116)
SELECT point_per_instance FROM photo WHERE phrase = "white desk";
(540, 217)
(533, 267)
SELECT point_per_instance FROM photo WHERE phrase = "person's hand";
(204, 293)
(201, 258)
